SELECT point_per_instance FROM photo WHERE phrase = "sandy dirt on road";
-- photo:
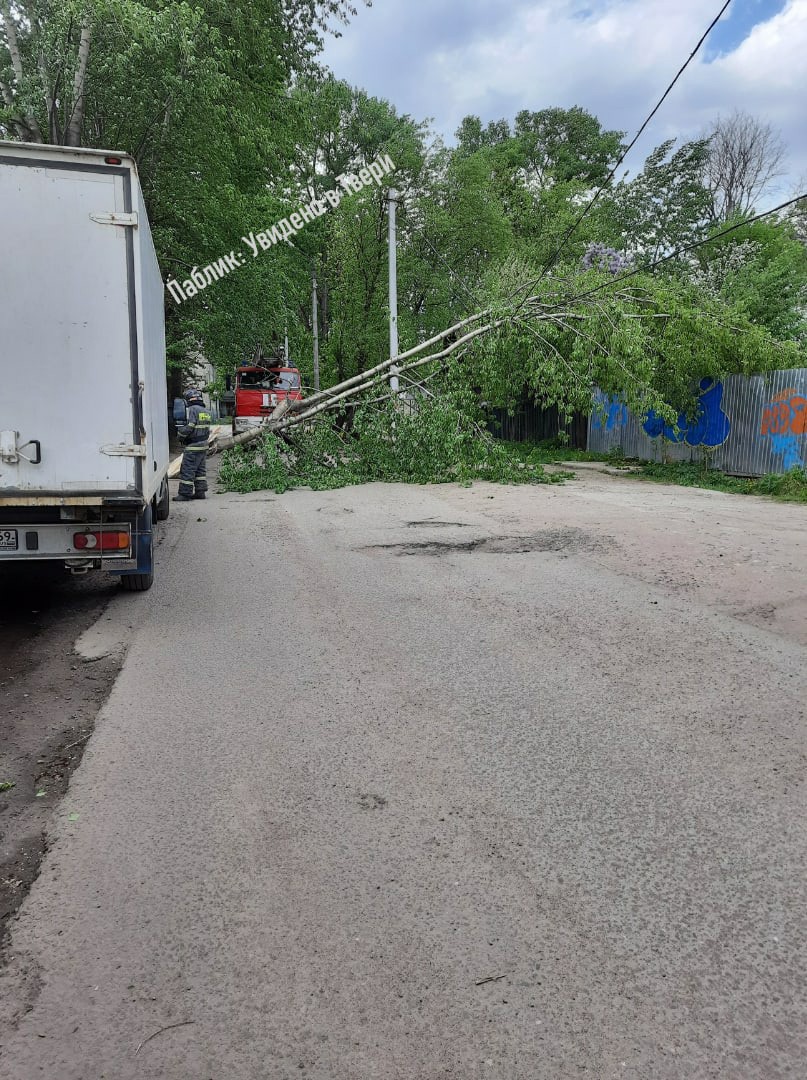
(743, 556)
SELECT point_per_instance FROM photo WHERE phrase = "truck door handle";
(38, 448)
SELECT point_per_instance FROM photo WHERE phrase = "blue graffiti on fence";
(788, 447)
(711, 426)
(616, 412)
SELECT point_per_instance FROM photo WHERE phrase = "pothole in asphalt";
(438, 524)
(561, 540)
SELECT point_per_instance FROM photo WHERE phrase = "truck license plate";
(8, 539)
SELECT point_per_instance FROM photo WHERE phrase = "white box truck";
(83, 397)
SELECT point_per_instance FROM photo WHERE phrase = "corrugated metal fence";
(532, 423)
(748, 426)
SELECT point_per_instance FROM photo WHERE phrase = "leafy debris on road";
(438, 440)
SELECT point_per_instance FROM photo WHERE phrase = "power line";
(588, 207)
(554, 258)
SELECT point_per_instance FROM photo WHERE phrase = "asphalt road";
(437, 783)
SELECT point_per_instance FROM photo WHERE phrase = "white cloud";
(613, 57)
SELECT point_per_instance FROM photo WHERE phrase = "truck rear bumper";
(31, 542)
(45, 499)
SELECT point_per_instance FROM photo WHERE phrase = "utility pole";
(392, 203)
(315, 325)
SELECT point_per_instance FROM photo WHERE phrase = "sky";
(445, 59)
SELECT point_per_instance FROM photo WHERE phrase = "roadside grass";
(549, 452)
(785, 487)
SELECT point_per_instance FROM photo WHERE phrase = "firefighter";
(194, 436)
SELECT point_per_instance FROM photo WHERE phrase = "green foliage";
(255, 468)
(352, 254)
(553, 451)
(616, 456)
(437, 442)
(199, 93)
(665, 207)
(231, 122)
(562, 145)
(761, 269)
(548, 147)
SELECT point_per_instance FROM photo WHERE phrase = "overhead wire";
(621, 278)
(462, 283)
(592, 202)
(618, 279)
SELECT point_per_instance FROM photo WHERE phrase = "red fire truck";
(259, 389)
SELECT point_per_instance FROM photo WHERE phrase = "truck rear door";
(69, 357)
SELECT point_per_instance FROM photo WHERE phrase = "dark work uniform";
(195, 433)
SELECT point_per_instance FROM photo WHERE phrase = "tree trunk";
(76, 121)
(54, 130)
(28, 122)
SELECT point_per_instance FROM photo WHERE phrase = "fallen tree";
(645, 338)
(290, 414)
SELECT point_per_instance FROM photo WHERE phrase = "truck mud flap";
(142, 577)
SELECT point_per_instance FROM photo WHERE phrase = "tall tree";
(665, 206)
(561, 145)
(745, 157)
(350, 243)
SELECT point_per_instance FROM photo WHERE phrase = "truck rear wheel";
(136, 582)
(163, 508)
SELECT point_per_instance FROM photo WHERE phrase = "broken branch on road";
(159, 1031)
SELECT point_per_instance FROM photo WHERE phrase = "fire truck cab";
(259, 390)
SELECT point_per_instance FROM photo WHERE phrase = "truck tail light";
(101, 541)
